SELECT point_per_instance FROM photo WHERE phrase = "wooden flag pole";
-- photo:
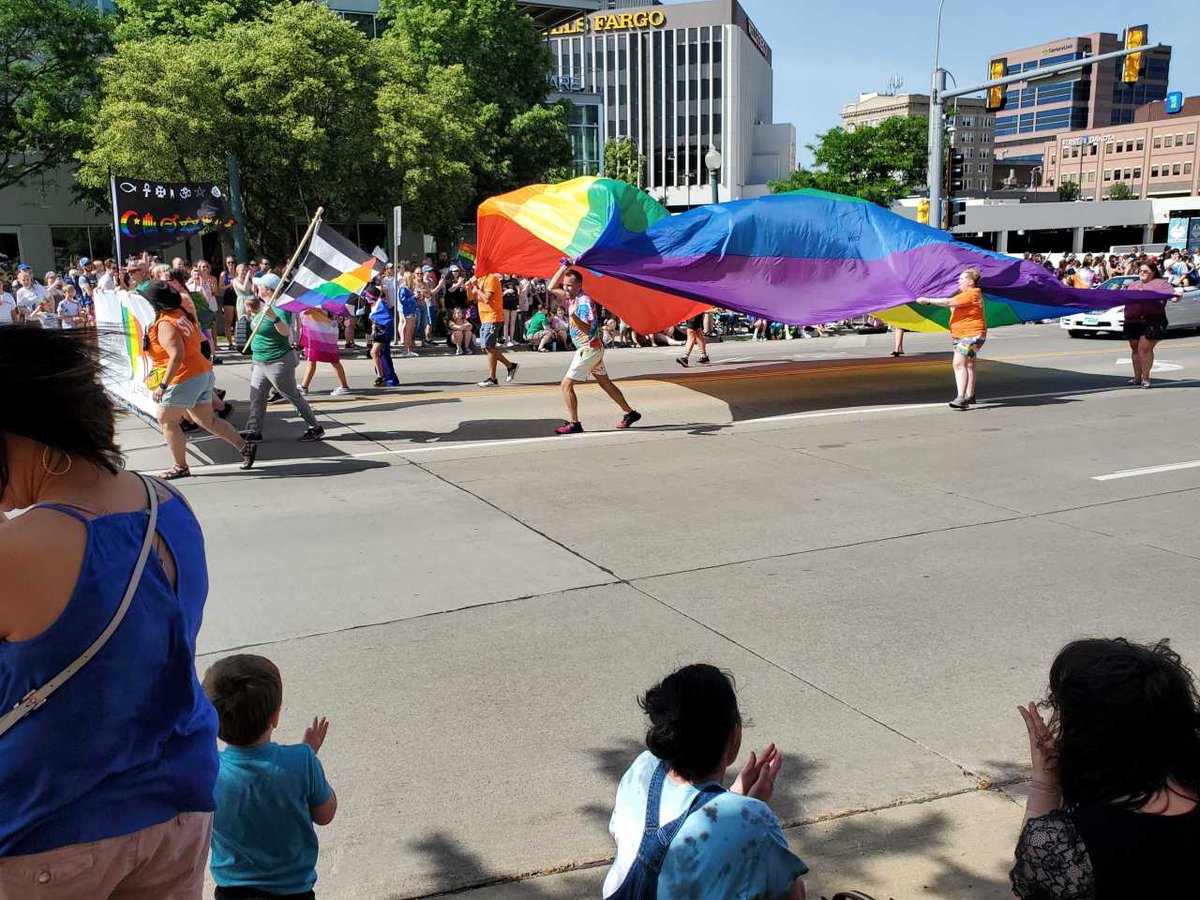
(312, 226)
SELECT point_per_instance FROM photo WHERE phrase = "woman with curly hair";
(1112, 811)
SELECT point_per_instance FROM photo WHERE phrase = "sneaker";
(408, 354)
(252, 437)
(224, 411)
(569, 428)
(704, 360)
(187, 426)
(303, 390)
(629, 418)
(458, 351)
(683, 361)
(1146, 383)
(274, 397)
(970, 401)
(488, 382)
(339, 391)
(312, 434)
(960, 403)
(512, 372)
(510, 344)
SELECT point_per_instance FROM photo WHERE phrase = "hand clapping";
(757, 778)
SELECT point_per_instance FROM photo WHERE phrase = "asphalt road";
(476, 603)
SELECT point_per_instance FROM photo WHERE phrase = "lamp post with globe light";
(712, 159)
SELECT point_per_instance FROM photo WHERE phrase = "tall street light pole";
(936, 126)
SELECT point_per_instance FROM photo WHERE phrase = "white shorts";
(587, 361)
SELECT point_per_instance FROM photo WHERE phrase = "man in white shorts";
(589, 350)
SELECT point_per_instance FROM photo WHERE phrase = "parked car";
(1180, 316)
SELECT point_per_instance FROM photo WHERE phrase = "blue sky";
(826, 54)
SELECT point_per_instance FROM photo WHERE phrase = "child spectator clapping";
(268, 795)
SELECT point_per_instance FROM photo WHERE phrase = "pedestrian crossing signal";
(997, 68)
(1135, 36)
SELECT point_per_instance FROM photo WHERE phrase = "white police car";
(1180, 316)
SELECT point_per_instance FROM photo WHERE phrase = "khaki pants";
(162, 862)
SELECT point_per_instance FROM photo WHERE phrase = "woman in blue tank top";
(106, 787)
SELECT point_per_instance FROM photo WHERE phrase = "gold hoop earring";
(46, 463)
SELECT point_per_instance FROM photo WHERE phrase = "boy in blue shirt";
(268, 795)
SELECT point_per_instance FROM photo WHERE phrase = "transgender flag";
(332, 271)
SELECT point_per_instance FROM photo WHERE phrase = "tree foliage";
(879, 163)
(623, 161)
(48, 82)
(1068, 190)
(292, 96)
(147, 19)
(1122, 191)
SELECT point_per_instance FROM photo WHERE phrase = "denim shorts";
(190, 393)
(489, 334)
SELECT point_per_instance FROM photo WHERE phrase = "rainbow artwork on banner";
(132, 331)
(810, 257)
(528, 231)
(333, 270)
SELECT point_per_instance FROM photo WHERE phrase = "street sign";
(1174, 102)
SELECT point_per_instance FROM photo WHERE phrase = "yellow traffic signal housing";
(997, 68)
(1135, 36)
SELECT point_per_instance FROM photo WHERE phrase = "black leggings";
(249, 893)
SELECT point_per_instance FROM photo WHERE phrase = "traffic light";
(954, 173)
(958, 213)
(1135, 36)
(997, 68)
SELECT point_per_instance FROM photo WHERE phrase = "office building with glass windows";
(1034, 116)
(677, 79)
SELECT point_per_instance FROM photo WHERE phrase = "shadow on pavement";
(337, 465)
(466, 432)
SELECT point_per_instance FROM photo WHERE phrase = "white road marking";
(1157, 367)
(1148, 470)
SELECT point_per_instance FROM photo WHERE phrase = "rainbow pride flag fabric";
(528, 231)
(810, 257)
(332, 271)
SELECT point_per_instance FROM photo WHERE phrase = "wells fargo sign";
(612, 22)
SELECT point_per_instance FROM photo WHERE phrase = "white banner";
(122, 318)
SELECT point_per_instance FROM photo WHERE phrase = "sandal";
(249, 451)
(175, 472)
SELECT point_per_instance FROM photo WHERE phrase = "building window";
(1158, 143)
(1128, 174)
(1141, 145)
(1187, 168)
(73, 241)
(1092, 150)
(1191, 138)
(1154, 171)
(365, 22)
(1137, 173)
(1091, 176)
(1179, 140)
(1168, 141)
(1175, 169)
(1108, 174)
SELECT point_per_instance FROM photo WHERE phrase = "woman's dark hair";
(1155, 271)
(52, 381)
(692, 713)
(246, 691)
(1127, 719)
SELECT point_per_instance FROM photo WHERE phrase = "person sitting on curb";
(678, 831)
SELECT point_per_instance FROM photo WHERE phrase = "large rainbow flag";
(808, 257)
(333, 269)
(528, 231)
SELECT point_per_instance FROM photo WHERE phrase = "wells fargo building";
(677, 79)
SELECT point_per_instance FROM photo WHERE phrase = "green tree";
(623, 161)
(879, 163)
(146, 19)
(48, 83)
(1122, 191)
(505, 63)
(1068, 190)
(291, 95)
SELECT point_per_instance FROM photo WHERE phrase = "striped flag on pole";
(333, 269)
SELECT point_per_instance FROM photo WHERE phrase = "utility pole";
(939, 95)
(235, 201)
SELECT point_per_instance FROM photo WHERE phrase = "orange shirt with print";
(193, 362)
(491, 306)
(966, 316)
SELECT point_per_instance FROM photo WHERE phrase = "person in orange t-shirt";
(488, 294)
(968, 329)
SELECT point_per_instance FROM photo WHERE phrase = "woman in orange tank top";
(968, 329)
(173, 343)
